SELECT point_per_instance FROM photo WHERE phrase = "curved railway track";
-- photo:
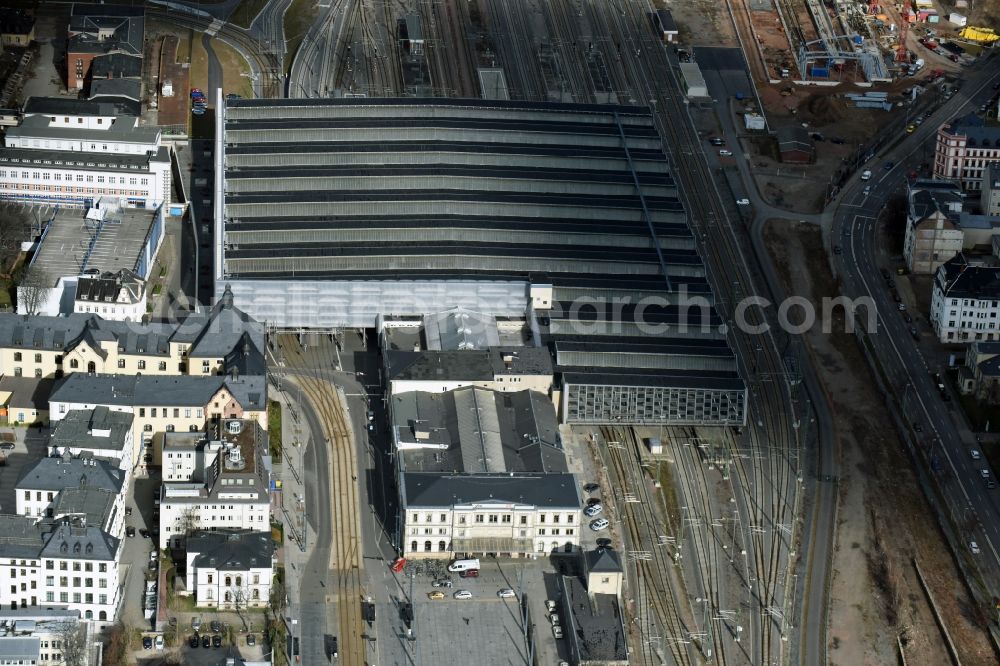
(346, 563)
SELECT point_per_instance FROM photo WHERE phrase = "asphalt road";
(908, 372)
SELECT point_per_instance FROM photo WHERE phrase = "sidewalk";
(298, 535)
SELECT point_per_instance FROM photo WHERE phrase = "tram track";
(346, 557)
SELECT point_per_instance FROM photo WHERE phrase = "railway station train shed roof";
(332, 212)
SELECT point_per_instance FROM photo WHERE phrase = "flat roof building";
(332, 213)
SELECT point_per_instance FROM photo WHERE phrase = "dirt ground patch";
(234, 69)
(701, 22)
(884, 521)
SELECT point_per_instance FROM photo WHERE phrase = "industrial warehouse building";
(337, 213)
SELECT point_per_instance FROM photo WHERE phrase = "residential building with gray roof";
(66, 562)
(220, 340)
(230, 568)
(41, 483)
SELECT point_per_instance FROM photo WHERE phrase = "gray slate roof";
(76, 429)
(82, 543)
(480, 431)
(96, 504)
(593, 623)
(976, 132)
(959, 279)
(127, 89)
(469, 364)
(59, 473)
(20, 536)
(68, 106)
(223, 332)
(115, 66)
(19, 649)
(546, 491)
(231, 550)
(603, 560)
(173, 391)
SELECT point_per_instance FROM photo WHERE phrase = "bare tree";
(33, 286)
(73, 638)
(237, 596)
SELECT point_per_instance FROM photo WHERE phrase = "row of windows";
(102, 567)
(81, 190)
(79, 178)
(492, 518)
(555, 531)
(199, 412)
(78, 598)
(50, 581)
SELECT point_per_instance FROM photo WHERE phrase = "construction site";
(828, 43)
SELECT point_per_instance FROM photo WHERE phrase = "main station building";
(334, 213)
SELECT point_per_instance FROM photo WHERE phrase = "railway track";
(655, 583)
(346, 562)
(264, 63)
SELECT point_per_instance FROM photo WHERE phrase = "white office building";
(222, 483)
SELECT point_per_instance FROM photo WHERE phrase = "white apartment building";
(230, 568)
(35, 636)
(228, 486)
(965, 147)
(37, 493)
(965, 302)
(74, 113)
(124, 136)
(65, 563)
(116, 296)
(98, 433)
(496, 482)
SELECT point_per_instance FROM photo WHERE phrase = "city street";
(933, 426)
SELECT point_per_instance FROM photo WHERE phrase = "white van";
(463, 565)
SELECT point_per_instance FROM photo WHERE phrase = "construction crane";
(902, 53)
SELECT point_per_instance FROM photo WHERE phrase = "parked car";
(216, 626)
(441, 582)
(147, 642)
(985, 473)
(604, 543)
(217, 641)
(974, 547)
(130, 531)
(251, 639)
(725, 153)
(593, 510)
(716, 141)
(557, 632)
(193, 642)
(506, 593)
(468, 573)
(463, 594)
(742, 202)
(436, 594)
(6, 446)
(158, 643)
(599, 524)
(591, 487)
(206, 641)
(974, 453)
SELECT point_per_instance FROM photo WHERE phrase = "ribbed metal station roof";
(468, 193)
